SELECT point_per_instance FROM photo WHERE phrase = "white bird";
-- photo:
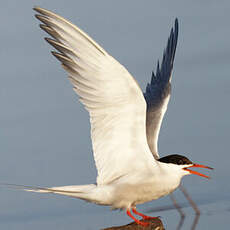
(130, 171)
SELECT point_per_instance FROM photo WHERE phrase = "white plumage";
(128, 173)
(113, 98)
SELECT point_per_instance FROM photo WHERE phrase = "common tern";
(125, 123)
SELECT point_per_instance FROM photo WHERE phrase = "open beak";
(197, 173)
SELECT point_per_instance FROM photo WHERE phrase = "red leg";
(142, 215)
(145, 224)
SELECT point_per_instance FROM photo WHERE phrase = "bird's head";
(184, 164)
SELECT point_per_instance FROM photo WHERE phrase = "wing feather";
(158, 91)
(112, 97)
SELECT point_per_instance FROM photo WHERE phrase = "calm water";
(44, 132)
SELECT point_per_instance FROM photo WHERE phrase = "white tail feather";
(78, 191)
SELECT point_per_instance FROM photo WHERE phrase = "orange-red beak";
(197, 173)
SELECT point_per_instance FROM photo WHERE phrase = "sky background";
(45, 132)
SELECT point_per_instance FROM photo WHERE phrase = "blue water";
(44, 131)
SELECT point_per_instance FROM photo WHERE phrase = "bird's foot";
(145, 224)
(142, 223)
(143, 216)
(149, 217)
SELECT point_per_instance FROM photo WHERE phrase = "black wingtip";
(175, 38)
(161, 78)
(176, 23)
(176, 29)
(169, 52)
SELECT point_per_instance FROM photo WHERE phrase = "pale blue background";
(44, 130)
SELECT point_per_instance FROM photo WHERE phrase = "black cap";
(175, 159)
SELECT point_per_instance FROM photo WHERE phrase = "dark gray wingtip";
(158, 88)
(169, 53)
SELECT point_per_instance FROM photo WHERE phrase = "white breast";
(139, 188)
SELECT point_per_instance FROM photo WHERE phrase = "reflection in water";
(194, 206)
(192, 203)
(179, 209)
(195, 222)
(182, 214)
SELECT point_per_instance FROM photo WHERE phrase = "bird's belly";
(147, 192)
(133, 194)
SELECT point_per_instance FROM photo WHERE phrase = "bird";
(125, 122)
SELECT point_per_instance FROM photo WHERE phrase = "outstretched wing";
(112, 97)
(158, 92)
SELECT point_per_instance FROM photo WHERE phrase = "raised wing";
(158, 92)
(112, 97)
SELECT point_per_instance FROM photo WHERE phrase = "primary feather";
(158, 91)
